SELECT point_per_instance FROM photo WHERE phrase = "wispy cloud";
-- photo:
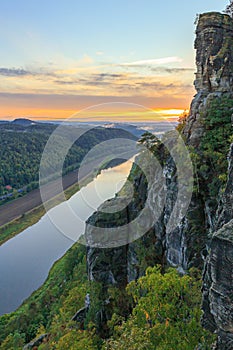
(172, 70)
(155, 61)
(21, 73)
(14, 72)
(93, 79)
(150, 82)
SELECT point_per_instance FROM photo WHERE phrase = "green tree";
(77, 340)
(13, 342)
(166, 316)
(215, 145)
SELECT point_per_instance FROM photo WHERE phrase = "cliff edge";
(204, 237)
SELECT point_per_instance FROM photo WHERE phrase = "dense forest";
(21, 149)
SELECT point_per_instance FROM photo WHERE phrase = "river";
(26, 259)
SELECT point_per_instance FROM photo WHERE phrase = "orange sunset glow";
(63, 106)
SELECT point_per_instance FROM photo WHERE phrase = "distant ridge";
(23, 121)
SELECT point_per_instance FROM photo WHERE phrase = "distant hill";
(23, 121)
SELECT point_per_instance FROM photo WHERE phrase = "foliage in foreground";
(166, 314)
(59, 298)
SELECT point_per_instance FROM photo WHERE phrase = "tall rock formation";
(225, 209)
(214, 78)
(218, 271)
(189, 243)
(214, 61)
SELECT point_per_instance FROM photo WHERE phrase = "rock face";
(189, 243)
(218, 287)
(214, 38)
(36, 342)
(183, 246)
(225, 210)
(121, 264)
(214, 60)
(218, 271)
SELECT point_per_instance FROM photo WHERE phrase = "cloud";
(114, 80)
(66, 82)
(14, 72)
(164, 87)
(21, 73)
(92, 79)
(172, 70)
(154, 61)
(42, 72)
(104, 79)
(106, 76)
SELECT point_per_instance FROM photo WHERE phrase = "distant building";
(8, 187)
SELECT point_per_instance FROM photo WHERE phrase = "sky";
(61, 56)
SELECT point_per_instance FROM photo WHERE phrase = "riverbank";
(30, 215)
(67, 279)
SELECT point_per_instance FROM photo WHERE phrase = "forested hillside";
(22, 146)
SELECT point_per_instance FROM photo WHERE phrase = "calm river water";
(26, 259)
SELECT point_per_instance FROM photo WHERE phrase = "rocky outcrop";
(214, 55)
(225, 210)
(218, 271)
(189, 243)
(214, 61)
(184, 246)
(107, 265)
(121, 264)
(80, 315)
(214, 78)
(218, 287)
(36, 342)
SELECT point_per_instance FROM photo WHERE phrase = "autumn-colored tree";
(182, 121)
